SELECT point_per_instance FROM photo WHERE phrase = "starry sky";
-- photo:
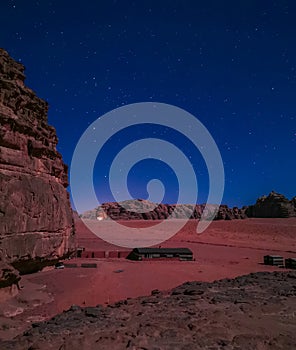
(232, 64)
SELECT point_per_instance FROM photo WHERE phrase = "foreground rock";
(275, 205)
(249, 312)
(36, 218)
(8, 275)
(145, 210)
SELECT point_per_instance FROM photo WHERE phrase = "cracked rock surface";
(257, 311)
(35, 213)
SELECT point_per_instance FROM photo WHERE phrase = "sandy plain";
(225, 250)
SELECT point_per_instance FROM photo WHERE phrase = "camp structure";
(290, 263)
(79, 252)
(161, 253)
(274, 260)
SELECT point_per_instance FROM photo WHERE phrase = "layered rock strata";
(36, 224)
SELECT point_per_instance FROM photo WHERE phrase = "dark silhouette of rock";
(35, 213)
(8, 275)
(249, 312)
(226, 213)
(275, 205)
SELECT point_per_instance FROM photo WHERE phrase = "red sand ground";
(225, 250)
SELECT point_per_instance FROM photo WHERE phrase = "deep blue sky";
(230, 63)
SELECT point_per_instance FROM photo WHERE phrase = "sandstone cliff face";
(129, 210)
(35, 213)
(275, 205)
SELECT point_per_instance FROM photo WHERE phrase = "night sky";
(232, 64)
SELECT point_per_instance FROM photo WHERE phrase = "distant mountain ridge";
(275, 205)
(140, 209)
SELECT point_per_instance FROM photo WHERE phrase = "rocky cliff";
(144, 210)
(35, 213)
(275, 205)
(256, 311)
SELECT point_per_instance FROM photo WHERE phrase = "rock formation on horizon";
(275, 205)
(36, 222)
(128, 210)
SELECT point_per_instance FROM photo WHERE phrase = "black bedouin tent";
(156, 253)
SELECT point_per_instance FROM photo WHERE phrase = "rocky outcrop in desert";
(255, 311)
(275, 205)
(145, 210)
(35, 213)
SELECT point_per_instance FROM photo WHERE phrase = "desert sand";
(256, 311)
(227, 249)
